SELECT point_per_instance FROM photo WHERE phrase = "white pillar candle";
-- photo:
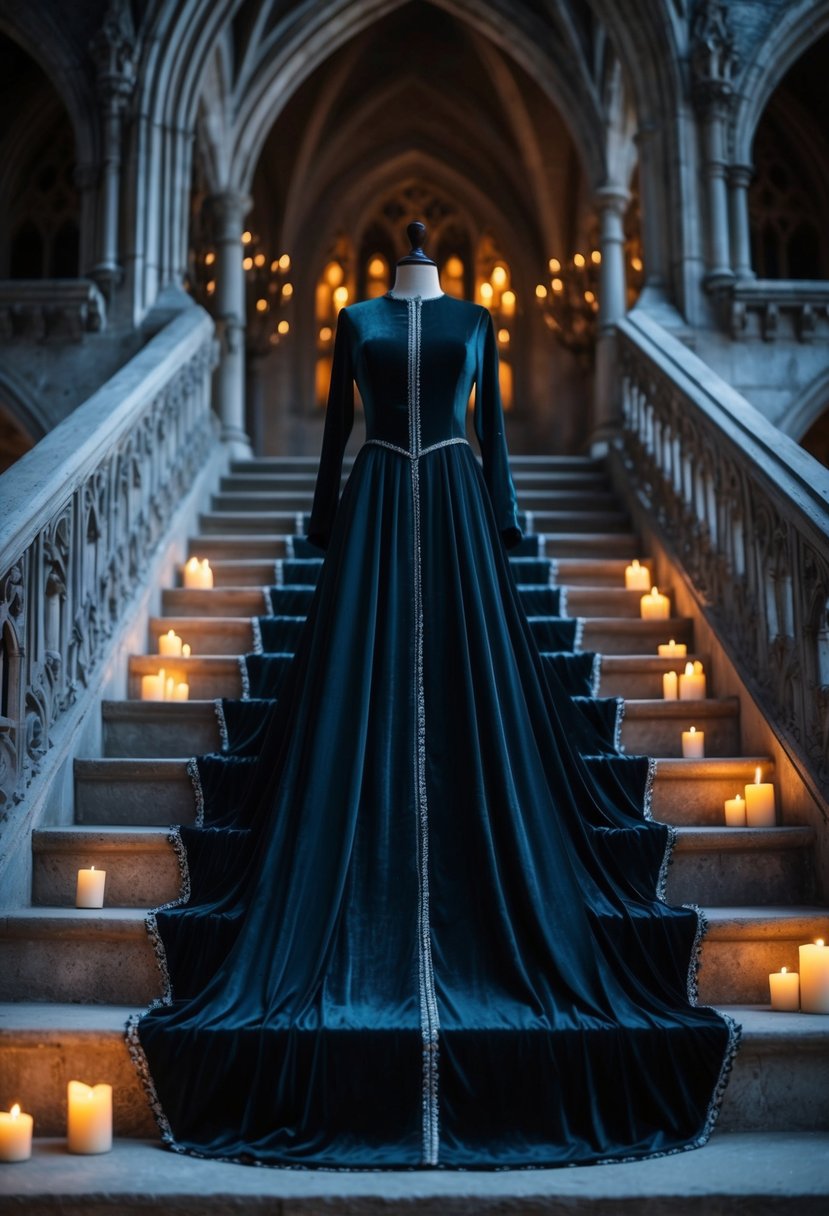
(169, 643)
(89, 1121)
(15, 1135)
(693, 744)
(152, 687)
(185, 650)
(655, 607)
(637, 578)
(735, 812)
(669, 685)
(760, 803)
(192, 573)
(672, 650)
(89, 892)
(206, 575)
(814, 977)
(181, 692)
(784, 986)
(169, 689)
(692, 682)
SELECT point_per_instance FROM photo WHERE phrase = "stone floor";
(738, 1174)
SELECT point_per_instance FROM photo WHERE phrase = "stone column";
(713, 63)
(611, 202)
(112, 50)
(228, 212)
(739, 180)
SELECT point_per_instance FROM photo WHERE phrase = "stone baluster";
(611, 202)
(228, 211)
(714, 62)
(112, 50)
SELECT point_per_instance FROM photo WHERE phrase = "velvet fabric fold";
(424, 922)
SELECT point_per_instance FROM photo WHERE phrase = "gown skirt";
(422, 920)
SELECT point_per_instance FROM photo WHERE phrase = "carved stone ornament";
(113, 49)
(714, 58)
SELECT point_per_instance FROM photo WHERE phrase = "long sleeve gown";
(423, 920)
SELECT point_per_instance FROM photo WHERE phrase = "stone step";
(744, 945)
(689, 792)
(711, 865)
(640, 675)
(159, 729)
(780, 1078)
(104, 956)
(552, 523)
(156, 791)
(654, 728)
(617, 636)
(563, 545)
(209, 676)
(596, 572)
(133, 793)
(577, 499)
(229, 572)
(519, 462)
(524, 479)
(204, 634)
(250, 601)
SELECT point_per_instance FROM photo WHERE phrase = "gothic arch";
(805, 409)
(798, 28)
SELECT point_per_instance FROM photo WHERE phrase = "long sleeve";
(489, 428)
(339, 419)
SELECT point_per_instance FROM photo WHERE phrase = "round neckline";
(389, 295)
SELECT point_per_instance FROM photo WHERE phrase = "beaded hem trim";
(562, 601)
(198, 793)
(579, 634)
(596, 675)
(621, 705)
(221, 722)
(429, 1022)
(256, 630)
(245, 678)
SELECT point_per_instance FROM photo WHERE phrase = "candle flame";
(698, 668)
(15, 1111)
(672, 642)
(193, 563)
(92, 867)
(783, 970)
(689, 669)
(819, 941)
(654, 592)
(757, 775)
(738, 798)
(693, 730)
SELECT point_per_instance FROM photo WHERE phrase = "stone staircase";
(70, 977)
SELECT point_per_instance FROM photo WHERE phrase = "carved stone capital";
(714, 58)
(227, 212)
(112, 50)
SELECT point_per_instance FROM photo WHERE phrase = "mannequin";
(416, 275)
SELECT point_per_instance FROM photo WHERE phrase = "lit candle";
(169, 689)
(784, 986)
(152, 687)
(637, 578)
(672, 650)
(15, 1135)
(669, 685)
(693, 744)
(760, 803)
(814, 977)
(185, 650)
(181, 692)
(89, 892)
(692, 682)
(655, 607)
(206, 575)
(192, 573)
(735, 812)
(169, 643)
(89, 1122)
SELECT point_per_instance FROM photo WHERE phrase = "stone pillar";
(713, 63)
(228, 211)
(611, 202)
(112, 50)
(739, 180)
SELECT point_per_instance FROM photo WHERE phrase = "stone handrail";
(746, 512)
(81, 515)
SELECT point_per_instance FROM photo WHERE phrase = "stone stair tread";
(772, 1172)
(719, 839)
(128, 766)
(194, 708)
(767, 920)
(709, 707)
(677, 767)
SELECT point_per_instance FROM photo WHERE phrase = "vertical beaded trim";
(429, 1024)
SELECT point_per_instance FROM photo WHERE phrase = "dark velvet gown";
(422, 921)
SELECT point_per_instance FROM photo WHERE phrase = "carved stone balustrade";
(778, 308)
(82, 515)
(746, 512)
(50, 309)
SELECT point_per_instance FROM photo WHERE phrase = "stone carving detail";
(758, 559)
(714, 58)
(63, 595)
(50, 309)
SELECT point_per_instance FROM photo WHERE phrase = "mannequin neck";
(414, 280)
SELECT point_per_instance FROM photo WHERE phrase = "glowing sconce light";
(486, 292)
(557, 285)
(261, 305)
(326, 333)
(503, 336)
(283, 327)
(285, 262)
(540, 291)
(555, 265)
(209, 258)
(636, 264)
(340, 296)
(287, 290)
(259, 260)
(334, 274)
(247, 263)
(498, 276)
(508, 303)
(595, 256)
(578, 260)
(247, 237)
(377, 268)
